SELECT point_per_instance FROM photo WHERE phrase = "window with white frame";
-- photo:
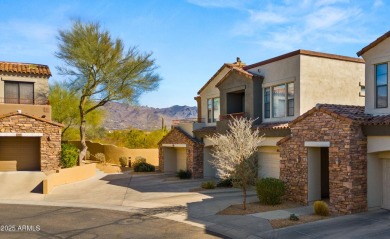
(381, 94)
(213, 109)
(279, 101)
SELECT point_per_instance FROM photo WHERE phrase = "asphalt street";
(27, 221)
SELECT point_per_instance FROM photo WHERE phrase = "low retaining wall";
(68, 175)
(113, 152)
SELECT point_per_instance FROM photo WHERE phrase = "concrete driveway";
(166, 197)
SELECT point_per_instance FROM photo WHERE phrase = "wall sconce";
(48, 138)
(337, 161)
(298, 159)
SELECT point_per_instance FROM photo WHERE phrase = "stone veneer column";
(348, 147)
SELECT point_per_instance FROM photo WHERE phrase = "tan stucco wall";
(40, 111)
(376, 55)
(113, 153)
(41, 90)
(279, 72)
(377, 144)
(68, 175)
(211, 92)
(330, 81)
(41, 84)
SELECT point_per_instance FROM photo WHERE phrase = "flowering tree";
(233, 153)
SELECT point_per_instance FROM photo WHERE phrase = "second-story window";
(18, 92)
(381, 93)
(213, 110)
(279, 101)
(267, 103)
(290, 99)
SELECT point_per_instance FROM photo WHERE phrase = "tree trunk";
(84, 147)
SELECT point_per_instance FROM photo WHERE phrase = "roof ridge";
(31, 116)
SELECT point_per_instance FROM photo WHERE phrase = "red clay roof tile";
(24, 68)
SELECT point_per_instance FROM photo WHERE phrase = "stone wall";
(348, 145)
(50, 141)
(194, 151)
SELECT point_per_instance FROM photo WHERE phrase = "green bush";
(144, 167)
(270, 190)
(123, 161)
(101, 157)
(321, 208)
(227, 183)
(208, 185)
(294, 217)
(138, 160)
(184, 174)
(69, 155)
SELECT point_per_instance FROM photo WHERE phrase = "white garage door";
(386, 184)
(268, 164)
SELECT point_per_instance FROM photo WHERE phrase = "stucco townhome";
(29, 139)
(275, 91)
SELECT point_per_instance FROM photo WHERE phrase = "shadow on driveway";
(153, 182)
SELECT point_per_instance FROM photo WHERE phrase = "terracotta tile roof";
(307, 53)
(196, 141)
(348, 113)
(207, 129)
(272, 126)
(374, 43)
(24, 68)
(378, 120)
(31, 116)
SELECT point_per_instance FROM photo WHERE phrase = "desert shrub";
(184, 174)
(101, 157)
(321, 208)
(138, 160)
(270, 190)
(144, 167)
(69, 155)
(227, 182)
(294, 217)
(88, 155)
(208, 185)
(123, 161)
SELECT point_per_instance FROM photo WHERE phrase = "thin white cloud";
(266, 17)
(237, 4)
(321, 3)
(328, 17)
(378, 3)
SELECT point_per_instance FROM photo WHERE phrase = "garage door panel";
(268, 165)
(25, 151)
(386, 184)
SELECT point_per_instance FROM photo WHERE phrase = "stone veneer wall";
(347, 181)
(194, 152)
(50, 141)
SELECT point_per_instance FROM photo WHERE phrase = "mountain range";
(125, 116)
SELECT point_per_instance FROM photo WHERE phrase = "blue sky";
(190, 40)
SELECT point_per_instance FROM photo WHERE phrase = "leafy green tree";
(64, 103)
(101, 70)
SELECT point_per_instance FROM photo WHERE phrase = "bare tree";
(233, 153)
(101, 70)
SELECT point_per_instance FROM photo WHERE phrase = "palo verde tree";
(233, 153)
(101, 70)
(64, 104)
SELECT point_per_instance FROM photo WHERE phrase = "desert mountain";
(124, 116)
